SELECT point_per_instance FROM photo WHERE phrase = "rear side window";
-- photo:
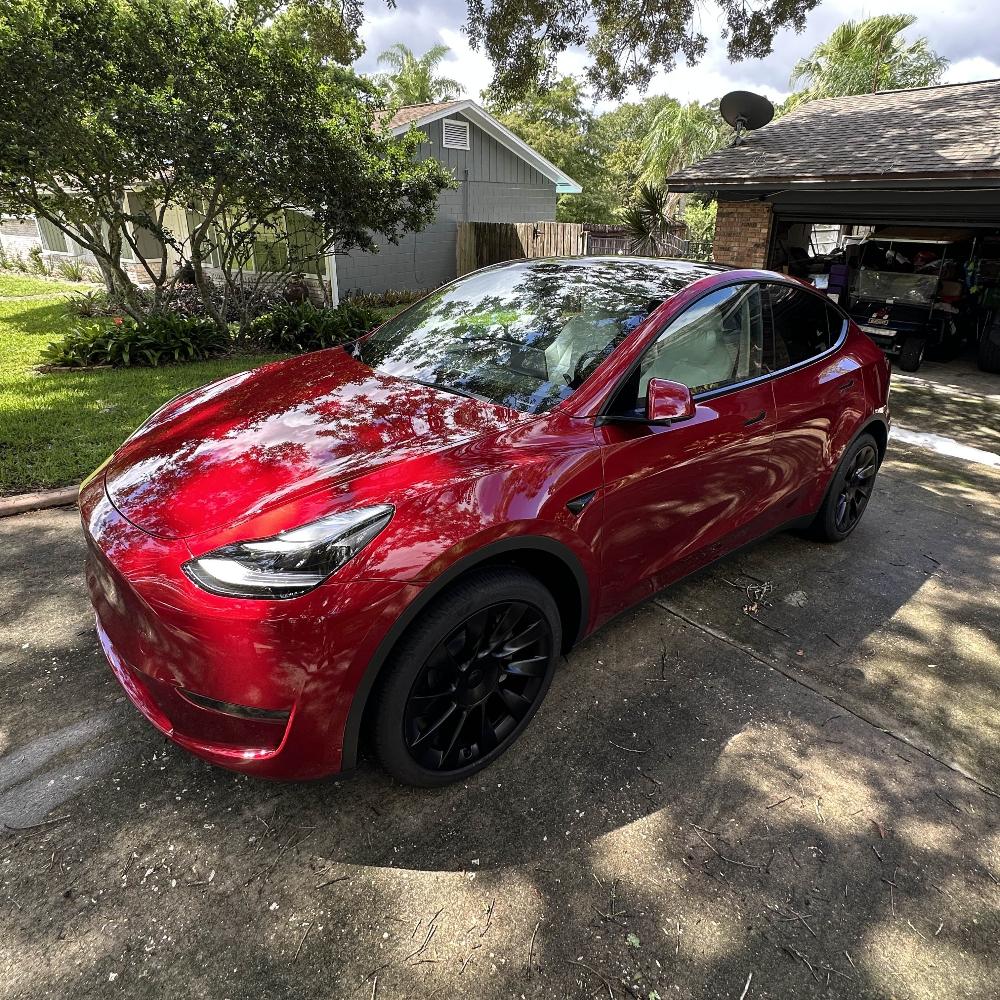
(802, 326)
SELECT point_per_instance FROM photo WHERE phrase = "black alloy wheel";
(466, 677)
(857, 489)
(849, 492)
(477, 685)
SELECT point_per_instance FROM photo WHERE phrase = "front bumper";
(292, 665)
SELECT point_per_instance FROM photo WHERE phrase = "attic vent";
(456, 134)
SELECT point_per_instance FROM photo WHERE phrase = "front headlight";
(292, 562)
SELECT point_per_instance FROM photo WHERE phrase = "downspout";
(331, 278)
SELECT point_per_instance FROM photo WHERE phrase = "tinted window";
(525, 335)
(715, 342)
(800, 326)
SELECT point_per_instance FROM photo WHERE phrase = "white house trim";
(331, 277)
(484, 120)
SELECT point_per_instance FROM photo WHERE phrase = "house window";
(53, 238)
(455, 134)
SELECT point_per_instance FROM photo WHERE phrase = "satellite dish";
(745, 111)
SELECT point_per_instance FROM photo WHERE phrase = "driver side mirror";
(668, 401)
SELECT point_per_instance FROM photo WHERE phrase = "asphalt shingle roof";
(945, 131)
(414, 112)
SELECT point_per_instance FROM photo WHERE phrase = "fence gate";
(483, 243)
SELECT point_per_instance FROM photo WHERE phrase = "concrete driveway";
(706, 806)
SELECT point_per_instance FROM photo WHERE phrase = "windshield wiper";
(449, 388)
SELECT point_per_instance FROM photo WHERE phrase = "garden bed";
(58, 426)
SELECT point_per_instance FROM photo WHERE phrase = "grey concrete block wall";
(494, 185)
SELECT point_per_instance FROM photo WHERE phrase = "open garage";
(890, 202)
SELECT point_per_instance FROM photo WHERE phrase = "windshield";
(525, 335)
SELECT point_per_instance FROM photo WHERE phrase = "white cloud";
(965, 31)
(470, 68)
(974, 68)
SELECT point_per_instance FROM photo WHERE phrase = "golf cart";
(905, 294)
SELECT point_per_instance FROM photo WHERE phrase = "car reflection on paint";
(403, 534)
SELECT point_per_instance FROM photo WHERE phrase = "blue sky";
(965, 31)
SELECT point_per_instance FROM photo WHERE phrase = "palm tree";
(647, 220)
(679, 135)
(862, 57)
(411, 79)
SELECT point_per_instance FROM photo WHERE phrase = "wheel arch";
(879, 429)
(550, 561)
(875, 425)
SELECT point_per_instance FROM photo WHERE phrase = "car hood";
(260, 439)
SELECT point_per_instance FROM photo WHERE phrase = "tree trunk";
(204, 285)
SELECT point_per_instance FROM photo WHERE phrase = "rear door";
(675, 496)
(819, 394)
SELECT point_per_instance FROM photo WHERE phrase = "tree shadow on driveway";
(678, 817)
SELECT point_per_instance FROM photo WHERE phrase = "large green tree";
(679, 135)
(116, 110)
(862, 57)
(413, 79)
(600, 151)
(628, 41)
(619, 135)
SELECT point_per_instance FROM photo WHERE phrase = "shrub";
(13, 262)
(160, 338)
(390, 297)
(91, 304)
(72, 270)
(185, 300)
(301, 326)
(37, 263)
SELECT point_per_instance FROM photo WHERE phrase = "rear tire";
(851, 489)
(988, 354)
(911, 355)
(467, 677)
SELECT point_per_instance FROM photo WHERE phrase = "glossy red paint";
(668, 401)
(272, 449)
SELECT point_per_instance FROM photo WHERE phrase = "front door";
(676, 496)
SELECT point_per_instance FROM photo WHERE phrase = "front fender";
(454, 564)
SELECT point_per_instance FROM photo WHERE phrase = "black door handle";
(844, 386)
(755, 420)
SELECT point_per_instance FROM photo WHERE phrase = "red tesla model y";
(395, 540)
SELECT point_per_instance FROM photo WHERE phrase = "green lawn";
(56, 427)
(23, 284)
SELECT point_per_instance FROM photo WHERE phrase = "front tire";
(851, 489)
(467, 678)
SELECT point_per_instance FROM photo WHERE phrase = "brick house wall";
(742, 233)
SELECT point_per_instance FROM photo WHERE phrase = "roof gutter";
(563, 182)
(837, 181)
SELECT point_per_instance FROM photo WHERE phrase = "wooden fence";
(483, 243)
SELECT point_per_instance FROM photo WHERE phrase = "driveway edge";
(25, 502)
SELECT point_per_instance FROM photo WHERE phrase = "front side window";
(716, 342)
(525, 335)
(803, 326)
